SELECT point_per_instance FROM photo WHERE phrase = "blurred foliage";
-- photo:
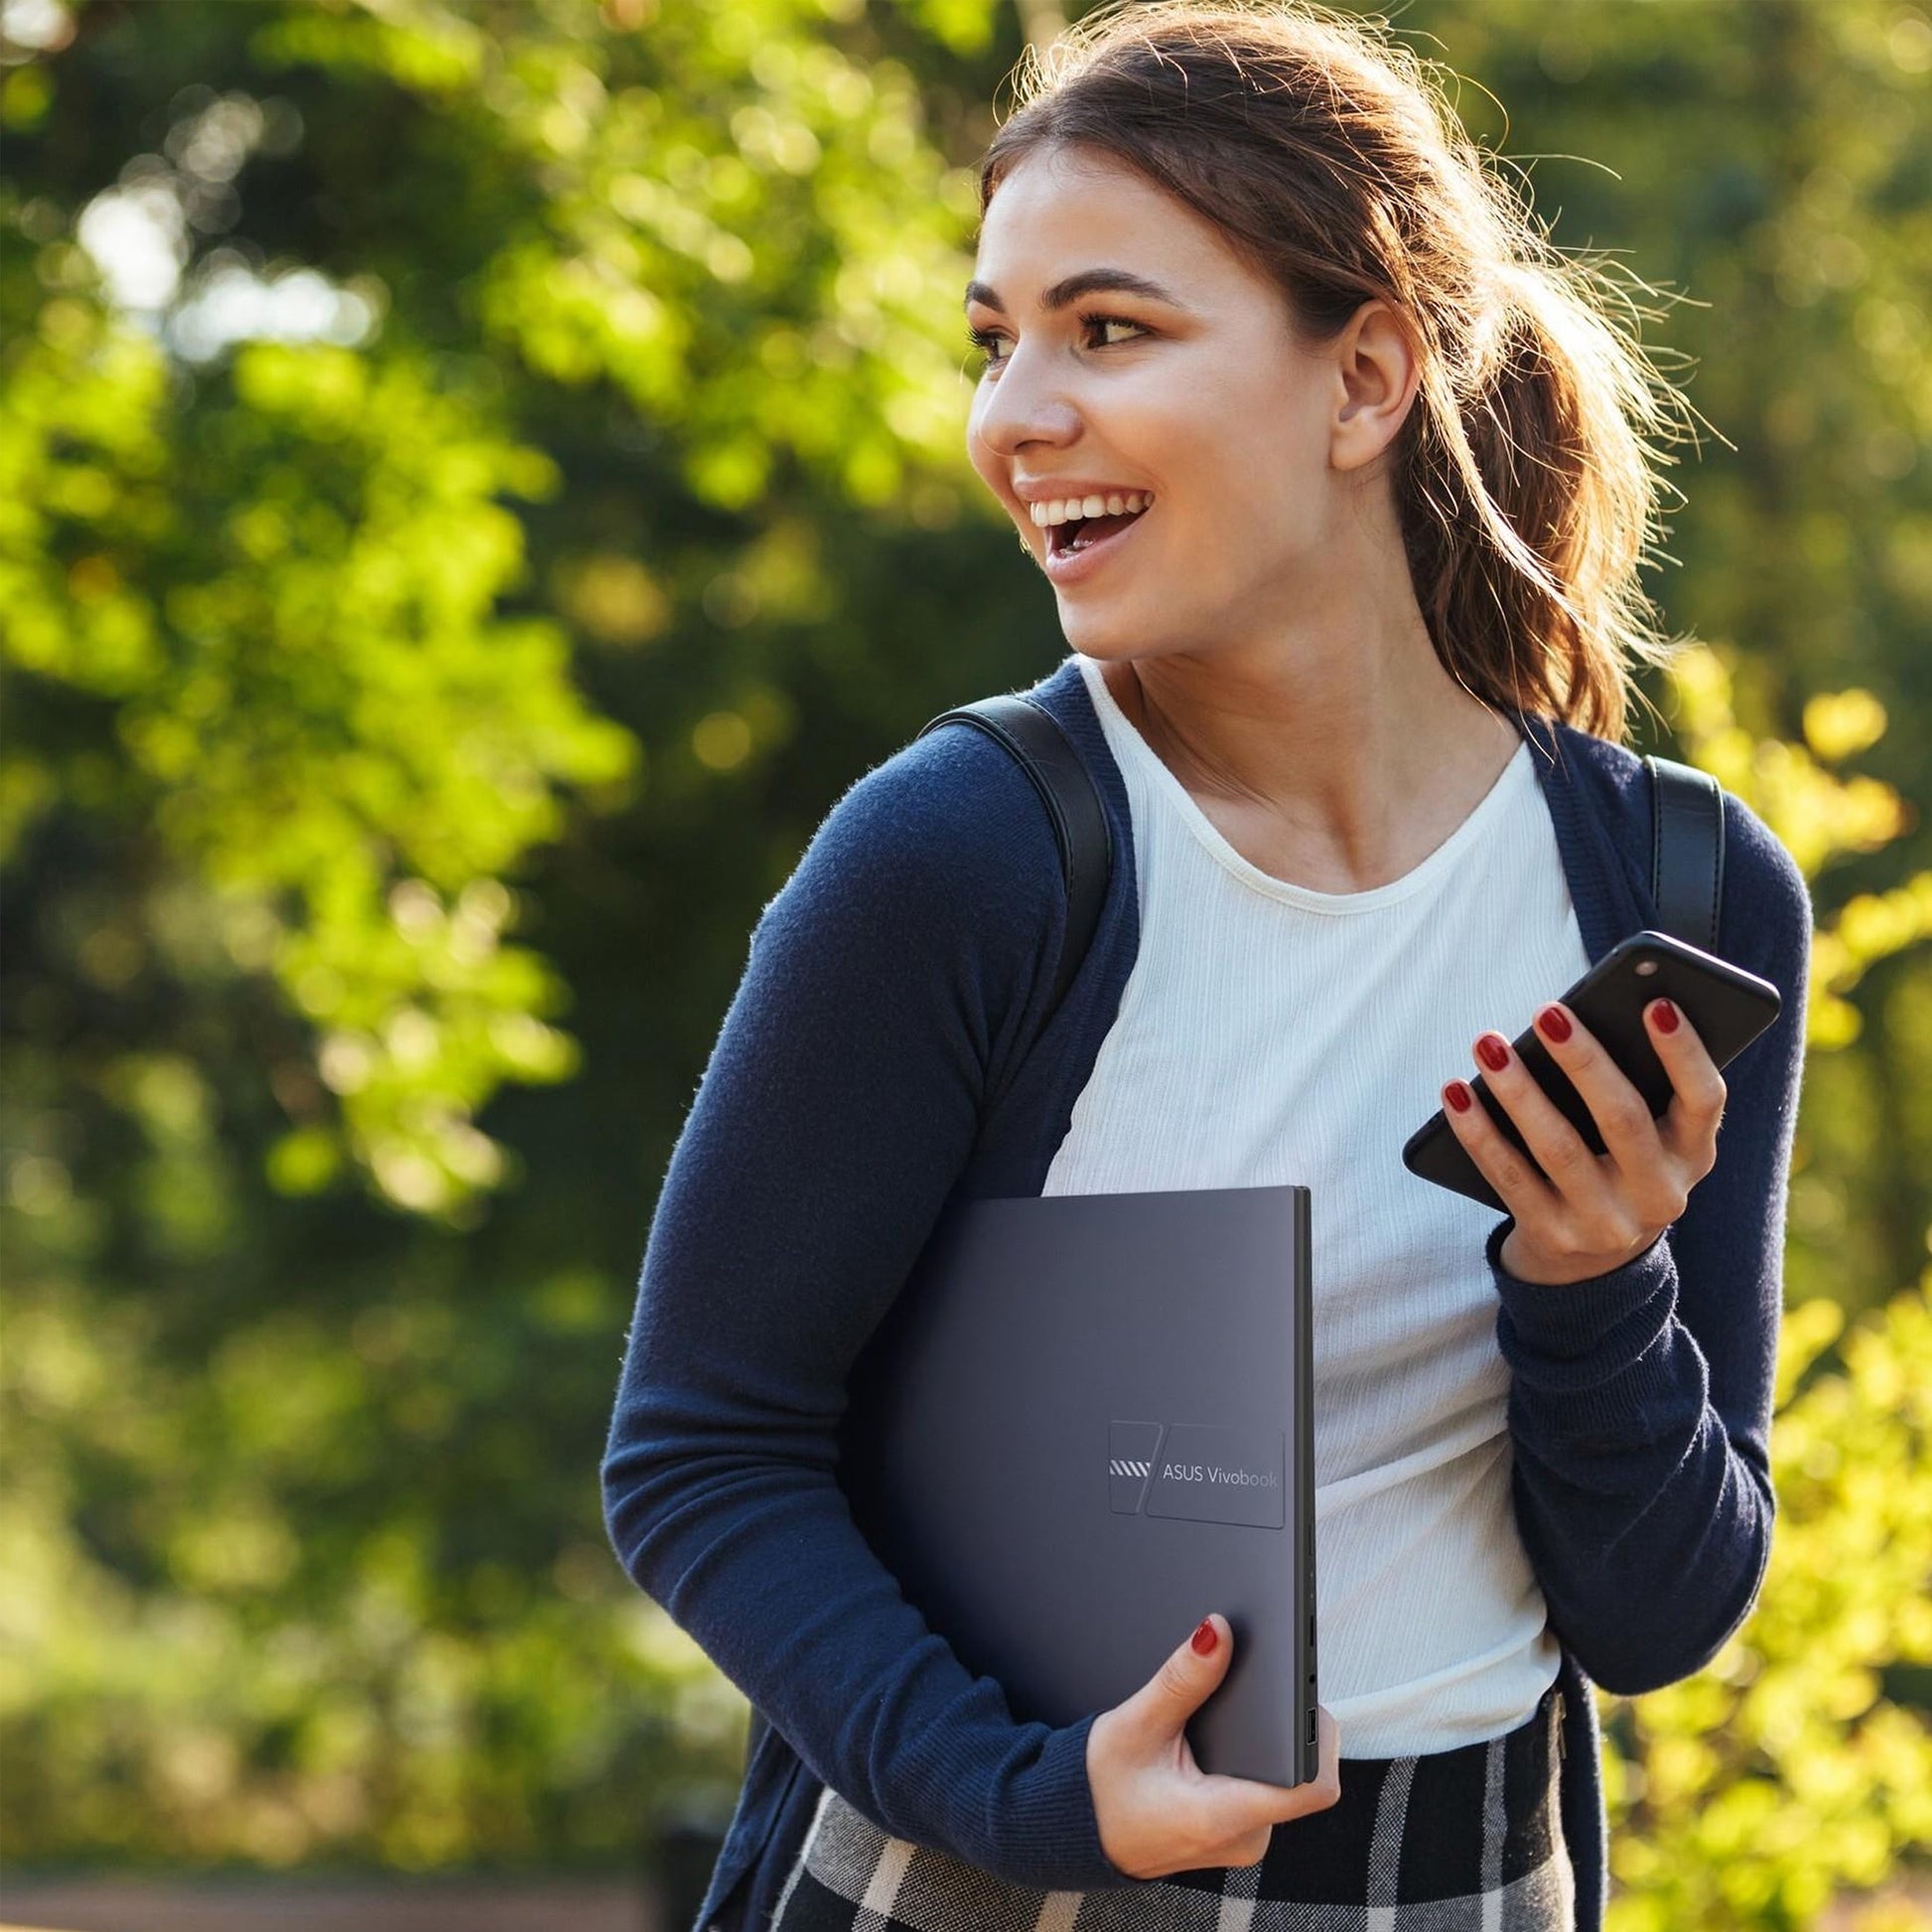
(1791, 1768)
(1753, 1792)
(272, 601)
(1818, 816)
(477, 481)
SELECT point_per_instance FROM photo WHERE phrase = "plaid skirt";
(1459, 1841)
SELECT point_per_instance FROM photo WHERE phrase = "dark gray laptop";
(1084, 1424)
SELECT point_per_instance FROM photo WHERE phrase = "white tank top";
(1272, 1034)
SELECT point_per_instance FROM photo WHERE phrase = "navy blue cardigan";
(890, 982)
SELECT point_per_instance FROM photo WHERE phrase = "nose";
(1023, 405)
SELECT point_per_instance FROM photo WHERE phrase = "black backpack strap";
(1687, 851)
(1037, 739)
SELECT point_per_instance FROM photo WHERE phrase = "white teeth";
(1062, 508)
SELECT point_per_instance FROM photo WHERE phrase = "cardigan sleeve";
(1640, 1400)
(898, 967)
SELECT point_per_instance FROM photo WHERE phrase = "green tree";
(377, 696)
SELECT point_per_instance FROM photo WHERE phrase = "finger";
(1572, 1166)
(1244, 1805)
(1690, 1125)
(1621, 1114)
(1188, 1675)
(1522, 1190)
(1327, 1773)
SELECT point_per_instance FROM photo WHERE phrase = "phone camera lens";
(1645, 967)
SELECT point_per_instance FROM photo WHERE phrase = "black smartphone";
(1727, 1007)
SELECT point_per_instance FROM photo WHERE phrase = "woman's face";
(1190, 386)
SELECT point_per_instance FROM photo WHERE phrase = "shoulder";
(945, 836)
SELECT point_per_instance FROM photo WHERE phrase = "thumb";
(1189, 1677)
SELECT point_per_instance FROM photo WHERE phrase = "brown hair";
(1333, 164)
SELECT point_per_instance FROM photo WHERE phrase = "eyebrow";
(1087, 282)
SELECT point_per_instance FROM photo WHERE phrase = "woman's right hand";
(1157, 1811)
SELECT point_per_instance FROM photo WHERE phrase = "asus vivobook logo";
(1203, 1473)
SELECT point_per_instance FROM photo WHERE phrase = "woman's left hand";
(1595, 1211)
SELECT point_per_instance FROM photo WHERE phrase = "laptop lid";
(1085, 1422)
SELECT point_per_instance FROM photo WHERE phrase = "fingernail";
(1493, 1051)
(1665, 1016)
(1206, 1637)
(1551, 1024)
(1458, 1097)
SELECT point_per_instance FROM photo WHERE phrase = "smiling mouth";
(1078, 532)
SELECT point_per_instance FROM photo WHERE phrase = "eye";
(987, 339)
(1111, 322)
(986, 343)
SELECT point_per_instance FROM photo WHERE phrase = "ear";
(1378, 372)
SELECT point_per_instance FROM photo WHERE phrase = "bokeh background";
(477, 482)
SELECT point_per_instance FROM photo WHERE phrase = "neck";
(1351, 748)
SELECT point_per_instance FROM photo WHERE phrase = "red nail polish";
(1205, 1638)
(1666, 1017)
(1553, 1025)
(1492, 1052)
(1458, 1097)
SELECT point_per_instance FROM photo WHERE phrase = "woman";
(1353, 619)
